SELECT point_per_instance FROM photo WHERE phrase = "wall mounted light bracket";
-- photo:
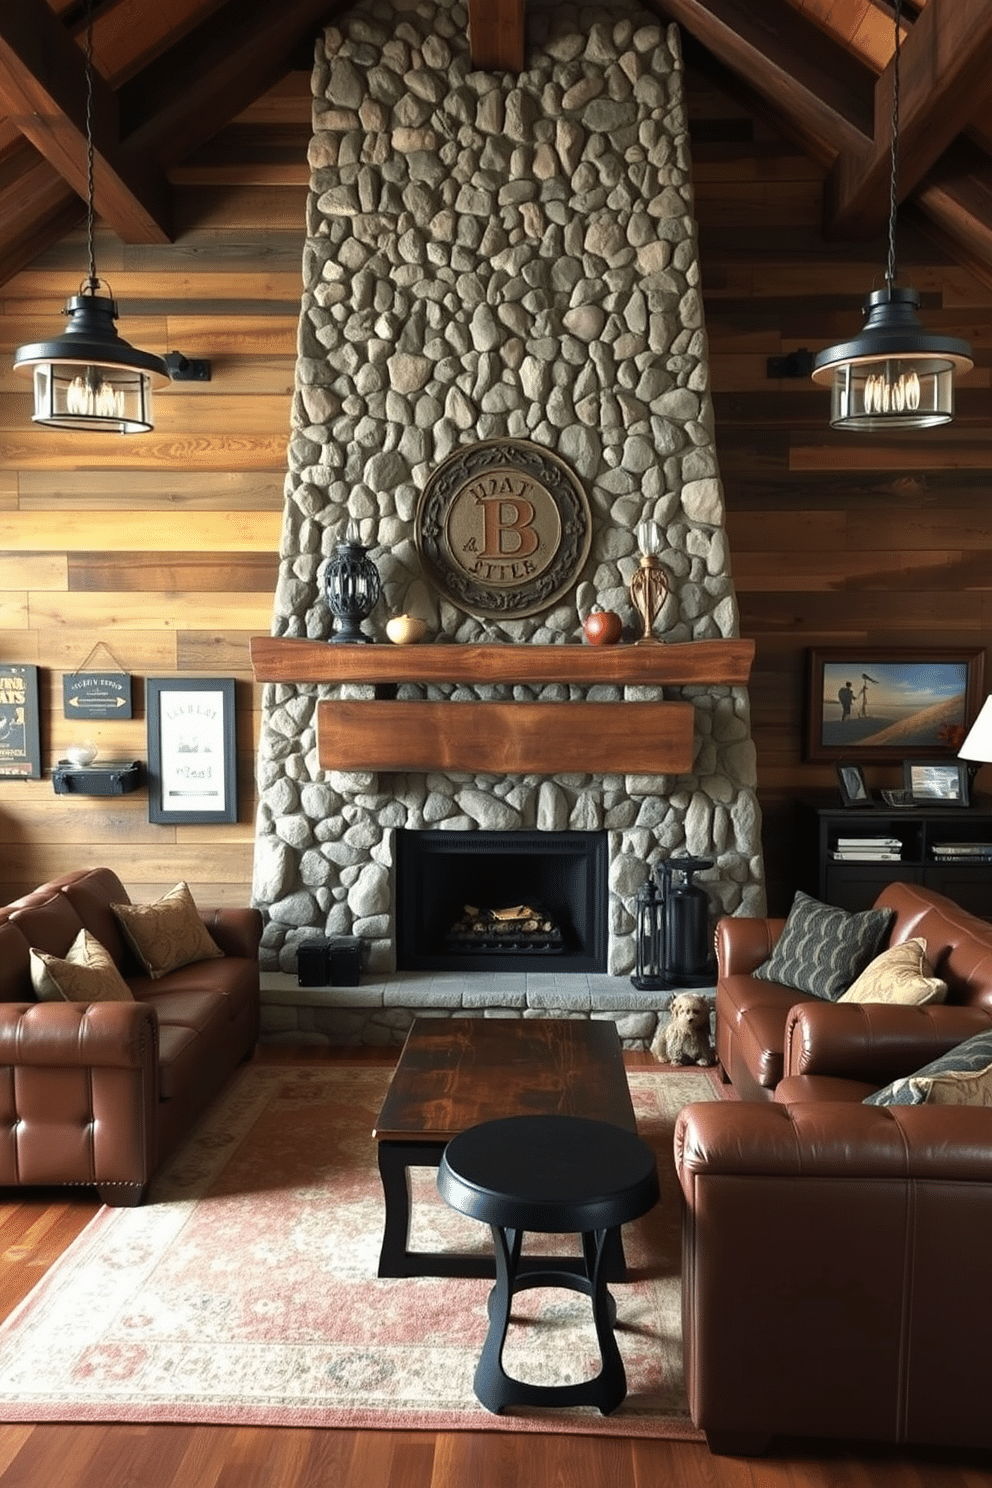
(185, 369)
(796, 364)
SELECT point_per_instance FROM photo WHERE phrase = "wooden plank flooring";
(36, 1226)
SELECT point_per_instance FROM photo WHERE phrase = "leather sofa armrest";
(831, 1139)
(237, 931)
(872, 1041)
(73, 1035)
(744, 943)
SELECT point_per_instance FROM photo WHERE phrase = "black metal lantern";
(672, 935)
(352, 586)
(649, 970)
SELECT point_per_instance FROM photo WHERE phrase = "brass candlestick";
(648, 592)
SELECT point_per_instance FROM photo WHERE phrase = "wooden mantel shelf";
(687, 664)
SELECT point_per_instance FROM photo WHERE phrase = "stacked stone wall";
(496, 256)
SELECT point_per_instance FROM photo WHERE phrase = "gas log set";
(517, 927)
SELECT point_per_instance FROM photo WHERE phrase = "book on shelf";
(976, 851)
(882, 842)
(865, 855)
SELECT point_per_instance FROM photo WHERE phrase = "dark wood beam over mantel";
(944, 68)
(43, 92)
(496, 34)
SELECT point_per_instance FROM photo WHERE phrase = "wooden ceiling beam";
(817, 84)
(944, 68)
(43, 91)
(215, 71)
(496, 34)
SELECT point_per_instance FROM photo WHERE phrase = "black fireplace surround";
(439, 873)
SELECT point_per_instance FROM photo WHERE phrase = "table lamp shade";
(978, 743)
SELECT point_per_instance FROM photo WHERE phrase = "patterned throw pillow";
(961, 1077)
(822, 949)
(900, 974)
(85, 974)
(168, 933)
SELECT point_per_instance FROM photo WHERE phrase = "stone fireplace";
(499, 257)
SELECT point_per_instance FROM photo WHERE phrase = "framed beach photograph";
(891, 704)
(853, 790)
(936, 782)
(192, 760)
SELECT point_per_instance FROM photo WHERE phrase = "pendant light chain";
(890, 272)
(88, 54)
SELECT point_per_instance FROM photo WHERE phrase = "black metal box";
(331, 961)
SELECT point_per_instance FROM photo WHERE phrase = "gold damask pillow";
(900, 974)
(85, 974)
(168, 933)
(956, 1088)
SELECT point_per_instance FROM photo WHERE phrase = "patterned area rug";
(245, 1290)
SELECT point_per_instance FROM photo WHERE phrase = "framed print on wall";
(891, 704)
(20, 747)
(192, 759)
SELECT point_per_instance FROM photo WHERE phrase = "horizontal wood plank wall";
(163, 547)
(835, 539)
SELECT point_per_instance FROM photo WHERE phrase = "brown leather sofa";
(834, 1253)
(99, 1093)
(759, 1025)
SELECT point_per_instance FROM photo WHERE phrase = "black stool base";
(494, 1388)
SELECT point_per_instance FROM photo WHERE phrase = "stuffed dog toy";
(685, 1039)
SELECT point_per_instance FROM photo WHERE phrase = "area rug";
(245, 1291)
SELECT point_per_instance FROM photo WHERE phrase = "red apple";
(602, 627)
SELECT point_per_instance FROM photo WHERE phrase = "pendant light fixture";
(894, 374)
(90, 377)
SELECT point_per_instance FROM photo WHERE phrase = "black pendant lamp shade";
(894, 374)
(89, 377)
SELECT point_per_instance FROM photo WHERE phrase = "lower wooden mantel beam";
(506, 738)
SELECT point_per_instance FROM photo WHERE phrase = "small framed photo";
(936, 783)
(192, 759)
(853, 790)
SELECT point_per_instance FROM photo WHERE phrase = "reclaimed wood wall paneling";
(833, 540)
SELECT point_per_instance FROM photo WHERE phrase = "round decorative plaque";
(503, 528)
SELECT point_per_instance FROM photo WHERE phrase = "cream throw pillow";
(900, 974)
(956, 1088)
(168, 933)
(86, 974)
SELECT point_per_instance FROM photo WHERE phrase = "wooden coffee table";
(454, 1073)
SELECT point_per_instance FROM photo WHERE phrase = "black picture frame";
(192, 756)
(853, 789)
(936, 782)
(907, 702)
(20, 735)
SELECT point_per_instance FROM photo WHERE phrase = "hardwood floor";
(36, 1226)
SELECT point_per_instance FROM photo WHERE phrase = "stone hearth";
(495, 256)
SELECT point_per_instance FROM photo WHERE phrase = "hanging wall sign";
(503, 528)
(97, 695)
(20, 748)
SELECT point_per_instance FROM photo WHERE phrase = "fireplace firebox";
(501, 901)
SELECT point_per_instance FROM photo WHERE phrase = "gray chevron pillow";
(823, 949)
(961, 1077)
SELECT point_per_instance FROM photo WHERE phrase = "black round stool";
(553, 1175)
